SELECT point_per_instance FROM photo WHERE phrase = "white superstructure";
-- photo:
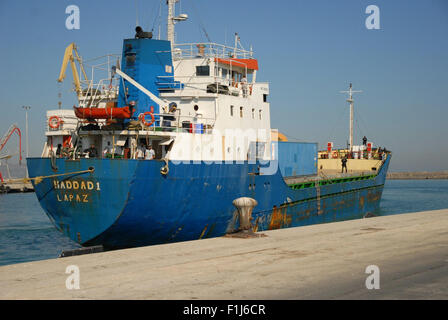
(220, 112)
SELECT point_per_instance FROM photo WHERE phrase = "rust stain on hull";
(279, 217)
(203, 231)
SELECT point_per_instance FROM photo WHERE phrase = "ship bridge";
(172, 98)
(212, 68)
(190, 101)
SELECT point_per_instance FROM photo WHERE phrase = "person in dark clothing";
(344, 164)
(364, 141)
(92, 151)
(58, 150)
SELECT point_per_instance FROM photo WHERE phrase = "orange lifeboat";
(103, 113)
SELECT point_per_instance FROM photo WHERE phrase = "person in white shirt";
(149, 153)
(107, 150)
(141, 152)
(244, 86)
(119, 151)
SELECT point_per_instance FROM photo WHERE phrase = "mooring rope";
(39, 179)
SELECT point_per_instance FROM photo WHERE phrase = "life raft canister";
(52, 124)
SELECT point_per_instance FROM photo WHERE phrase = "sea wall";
(417, 175)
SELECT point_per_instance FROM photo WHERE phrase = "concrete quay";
(326, 261)
(422, 175)
(15, 187)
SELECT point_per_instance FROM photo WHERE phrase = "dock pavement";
(401, 256)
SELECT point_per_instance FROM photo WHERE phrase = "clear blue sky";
(307, 50)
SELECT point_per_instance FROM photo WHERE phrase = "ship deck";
(326, 261)
(329, 175)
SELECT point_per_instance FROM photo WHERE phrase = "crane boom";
(8, 134)
(69, 56)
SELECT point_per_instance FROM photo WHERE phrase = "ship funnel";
(245, 206)
(140, 34)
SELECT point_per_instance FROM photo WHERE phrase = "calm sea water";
(26, 233)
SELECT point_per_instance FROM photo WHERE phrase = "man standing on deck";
(107, 150)
(141, 152)
(344, 164)
(149, 153)
(364, 141)
(92, 153)
(244, 86)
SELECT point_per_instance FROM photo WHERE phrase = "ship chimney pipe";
(140, 34)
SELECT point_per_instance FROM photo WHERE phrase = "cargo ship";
(159, 149)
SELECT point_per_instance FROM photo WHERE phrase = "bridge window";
(241, 112)
(231, 111)
(253, 113)
(259, 114)
(202, 70)
(224, 73)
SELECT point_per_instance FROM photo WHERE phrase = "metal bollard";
(245, 206)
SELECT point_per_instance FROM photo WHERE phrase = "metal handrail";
(88, 98)
(235, 87)
(179, 121)
(211, 50)
(176, 125)
(89, 85)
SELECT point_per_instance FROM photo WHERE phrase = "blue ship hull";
(128, 203)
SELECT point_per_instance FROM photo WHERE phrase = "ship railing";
(94, 91)
(169, 122)
(192, 82)
(375, 154)
(104, 67)
(163, 122)
(211, 84)
(208, 50)
(65, 125)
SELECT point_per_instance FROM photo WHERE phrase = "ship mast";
(350, 100)
(171, 20)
